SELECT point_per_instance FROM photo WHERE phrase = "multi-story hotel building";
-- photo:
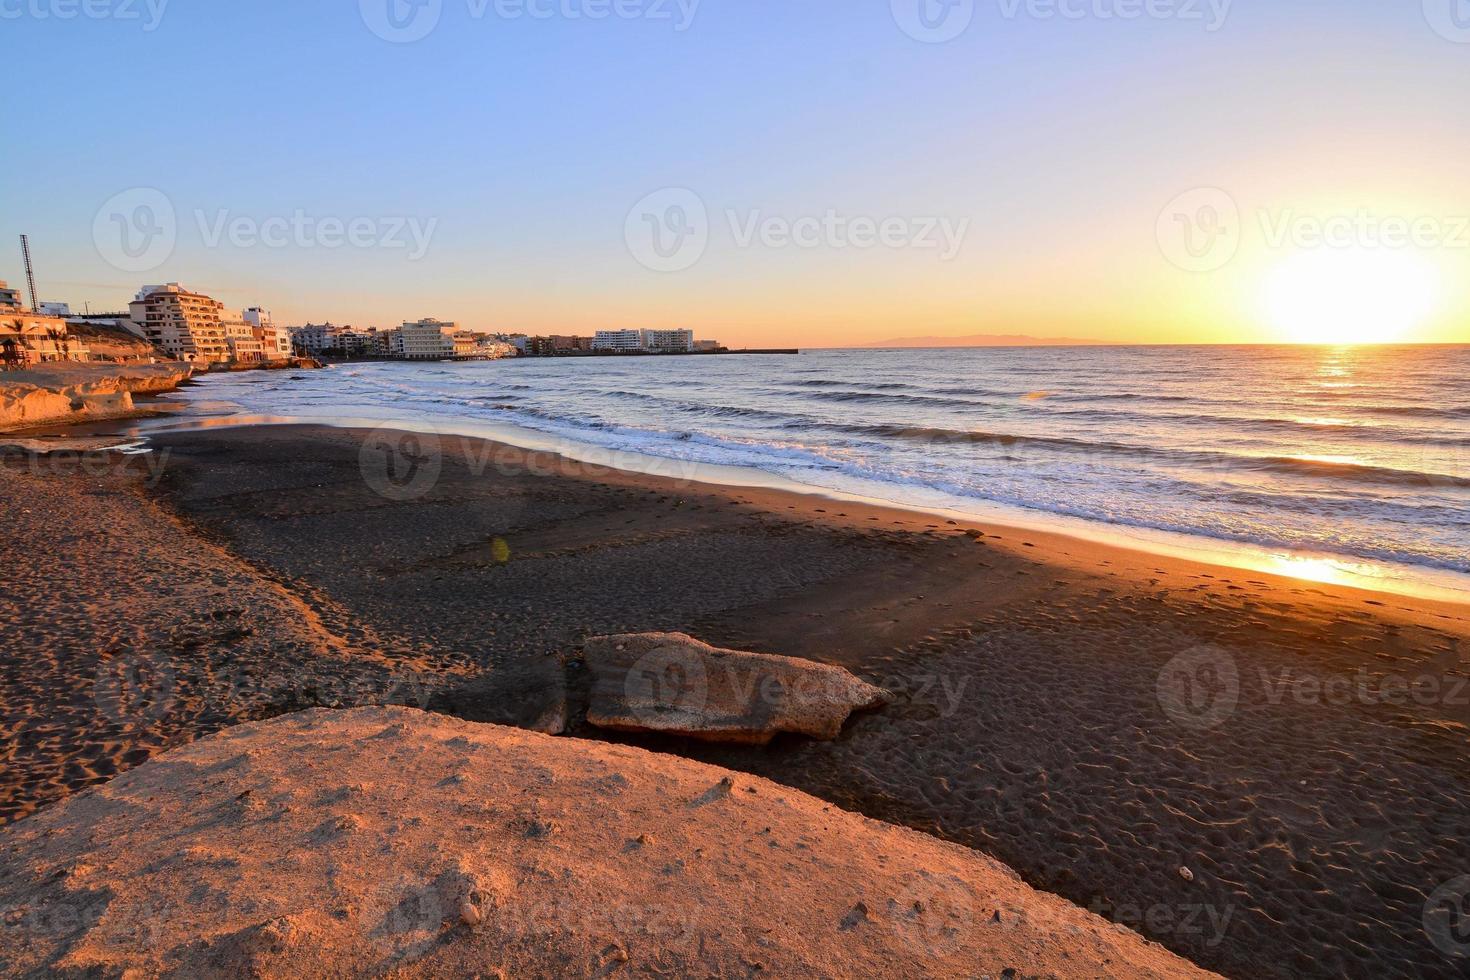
(274, 341)
(181, 323)
(668, 340)
(658, 341)
(618, 340)
(242, 342)
(423, 340)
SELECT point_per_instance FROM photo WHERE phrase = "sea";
(1349, 460)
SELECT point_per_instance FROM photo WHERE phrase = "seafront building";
(240, 340)
(275, 341)
(653, 341)
(618, 340)
(664, 341)
(28, 337)
(423, 340)
(181, 323)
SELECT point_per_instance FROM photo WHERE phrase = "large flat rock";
(72, 392)
(390, 841)
(675, 684)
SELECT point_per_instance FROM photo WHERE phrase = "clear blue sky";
(527, 141)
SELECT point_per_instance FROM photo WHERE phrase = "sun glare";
(1360, 296)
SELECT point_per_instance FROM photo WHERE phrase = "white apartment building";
(658, 341)
(423, 340)
(181, 323)
(666, 341)
(319, 338)
(363, 343)
(617, 340)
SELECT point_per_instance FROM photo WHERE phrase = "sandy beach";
(1265, 775)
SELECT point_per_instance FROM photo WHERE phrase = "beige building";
(423, 340)
(181, 323)
(28, 338)
(275, 341)
(466, 344)
(242, 342)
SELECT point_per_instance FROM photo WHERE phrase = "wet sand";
(1099, 719)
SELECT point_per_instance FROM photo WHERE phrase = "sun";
(1349, 296)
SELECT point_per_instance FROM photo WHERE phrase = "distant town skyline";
(771, 174)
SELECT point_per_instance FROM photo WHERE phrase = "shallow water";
(1362, 453)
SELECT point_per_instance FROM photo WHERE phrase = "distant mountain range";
(987, 340)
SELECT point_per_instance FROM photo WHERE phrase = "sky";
(792, 173)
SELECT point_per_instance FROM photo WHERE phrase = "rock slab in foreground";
(675, 684)
(388, 840)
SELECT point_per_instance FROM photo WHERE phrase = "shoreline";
(1032, 719)
(1324, 568)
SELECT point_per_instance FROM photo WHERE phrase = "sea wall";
(69, 392)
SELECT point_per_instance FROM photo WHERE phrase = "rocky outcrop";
(387, 841)
(53, 393)
(675, 684)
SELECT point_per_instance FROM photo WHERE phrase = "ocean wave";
(1197, 459)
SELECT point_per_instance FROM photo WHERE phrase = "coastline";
(1034, 720)
(1321, 568)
